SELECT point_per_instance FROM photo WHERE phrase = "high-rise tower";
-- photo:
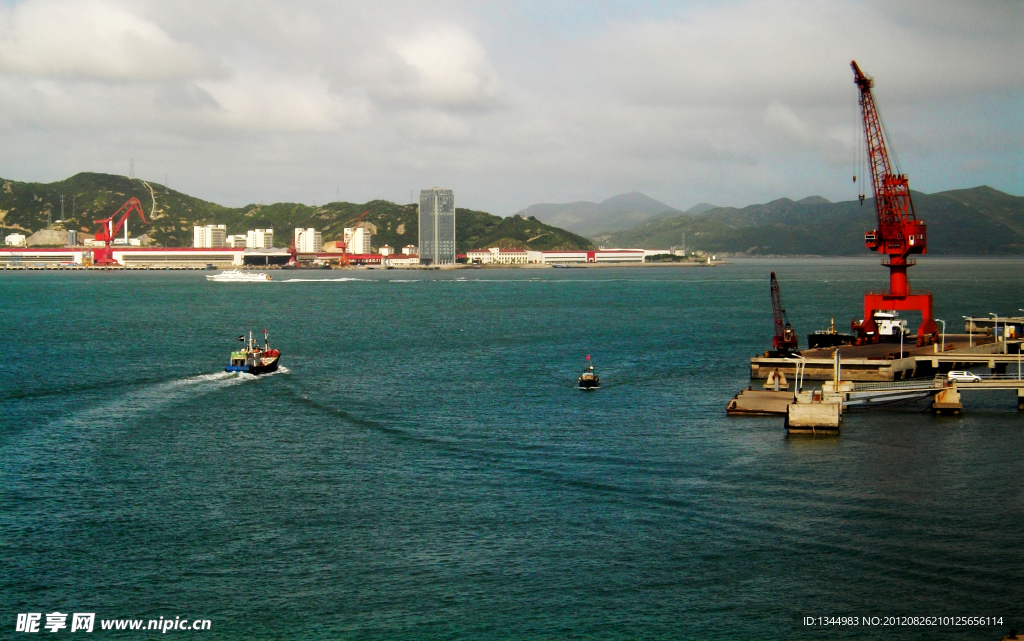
(437, 227)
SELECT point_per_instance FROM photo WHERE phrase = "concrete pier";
(887, 362)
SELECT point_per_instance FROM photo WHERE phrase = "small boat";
(589, 379)
(252, 359)
(235, 276)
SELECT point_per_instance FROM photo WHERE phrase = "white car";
(957, 376)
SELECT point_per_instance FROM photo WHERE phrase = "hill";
(587, 218)
(978, 221)
(30, 207)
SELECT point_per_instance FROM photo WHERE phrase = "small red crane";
(899, 233)
(785, 339)
(343, 261)
(108, 231)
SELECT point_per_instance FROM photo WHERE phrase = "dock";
(886, 362)
(873, 377)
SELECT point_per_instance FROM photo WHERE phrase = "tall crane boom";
(785, 339)
(899, 233)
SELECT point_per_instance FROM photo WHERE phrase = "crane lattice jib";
(899, 232)
(784, 337)
(109, 229)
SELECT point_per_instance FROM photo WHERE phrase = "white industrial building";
(357, 240)
(259, 239)
(496, 256)
(235, 240)
(403, 260)
(597, 256)
(209, 236)
(15, 240)
(308, 241)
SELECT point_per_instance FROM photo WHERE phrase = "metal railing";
(913, 383)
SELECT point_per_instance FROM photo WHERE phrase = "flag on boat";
(588, 357)
(242, 338)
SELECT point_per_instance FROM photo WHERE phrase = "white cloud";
(440, 66)
(91, 39)
(510, 105)
(276, 103)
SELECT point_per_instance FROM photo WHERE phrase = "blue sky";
(508, 103)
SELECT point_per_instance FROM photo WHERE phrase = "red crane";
(343, 261)
(785, 339)
(109, 230)
(899, 233)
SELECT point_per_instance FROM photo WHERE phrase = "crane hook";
(862, 200)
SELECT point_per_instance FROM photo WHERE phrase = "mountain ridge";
(589, 218)
(975, 221)
(29, 207)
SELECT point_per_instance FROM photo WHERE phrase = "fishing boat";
(235, 276)
(253, 359)
(589, 379)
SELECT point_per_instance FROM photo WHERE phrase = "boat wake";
(141, 402)
(319, 280)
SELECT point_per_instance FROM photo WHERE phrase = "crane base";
(880, 301)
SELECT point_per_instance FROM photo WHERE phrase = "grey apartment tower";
(437, 227)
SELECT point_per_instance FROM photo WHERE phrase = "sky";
(509, 103)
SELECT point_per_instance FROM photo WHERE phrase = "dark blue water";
(425, 469)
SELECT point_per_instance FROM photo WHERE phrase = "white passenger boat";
(235, 276)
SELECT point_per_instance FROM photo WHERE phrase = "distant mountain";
(30, 207)
(978, 221)
(587, 218)
(700, 208)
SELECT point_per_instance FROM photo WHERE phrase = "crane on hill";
(109, 230)
(899, 234)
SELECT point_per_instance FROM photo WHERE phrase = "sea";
(422, 466)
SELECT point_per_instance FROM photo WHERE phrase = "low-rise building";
(410, 250)
(308, 241)
(596, 256)
(386, 250)
(209, 236)
(496, 256)
(235, 240)
(404, 260)
(15, 240)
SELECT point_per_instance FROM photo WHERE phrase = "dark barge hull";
(255, 370)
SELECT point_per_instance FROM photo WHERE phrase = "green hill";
(89, 196)
(978, 221)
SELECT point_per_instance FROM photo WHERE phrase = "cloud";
(273, 103)
(509, 104)
(92, 39)
(441, 66)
